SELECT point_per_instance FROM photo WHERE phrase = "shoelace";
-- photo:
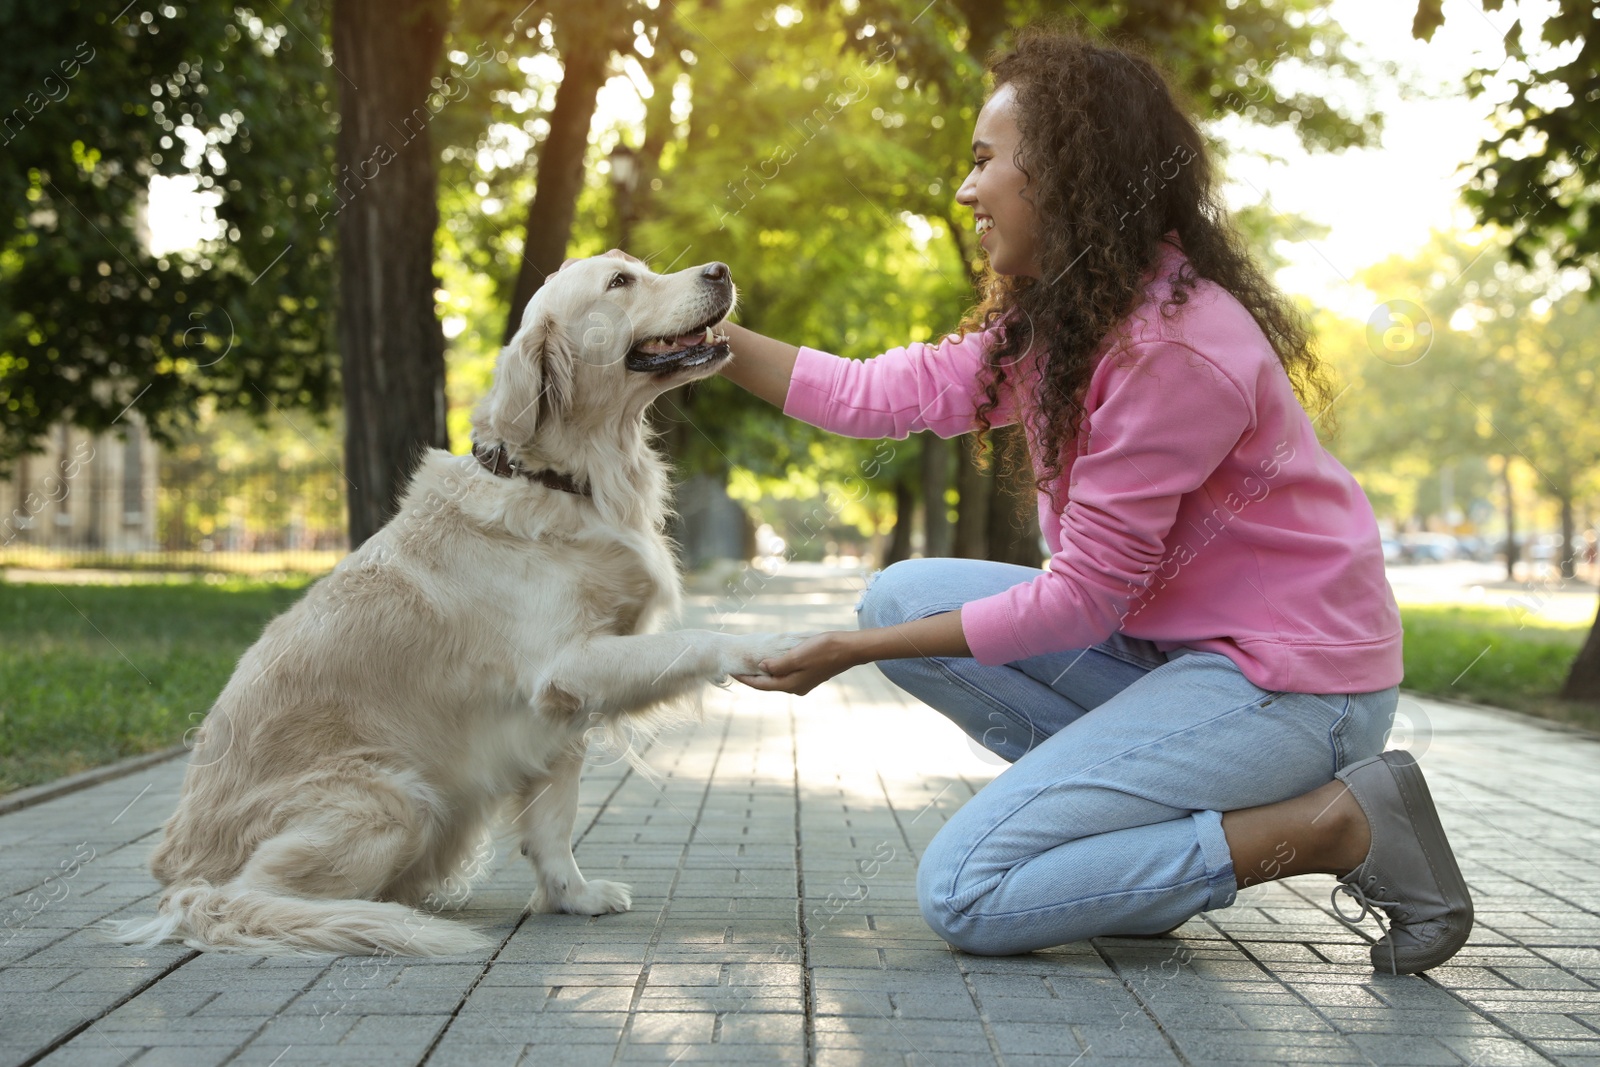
(1370, 905)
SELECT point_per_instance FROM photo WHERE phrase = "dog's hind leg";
(347, 837)
(548, 809)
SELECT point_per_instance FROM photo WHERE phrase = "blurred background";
(257, 256)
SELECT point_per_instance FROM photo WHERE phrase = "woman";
(1195, 692)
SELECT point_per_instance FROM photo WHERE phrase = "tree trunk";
(390, 343)
(973, 487)
(1511, 521)
(1569, 537)
(935, 472)
(1583, 678)
(962, 250)
(672, 408)
(905, 503)
(669, 415)
(560, 174)
(985, 23)
(1013, 527)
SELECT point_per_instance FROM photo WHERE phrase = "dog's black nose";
(715, 272)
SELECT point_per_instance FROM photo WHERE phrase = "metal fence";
(117, 502)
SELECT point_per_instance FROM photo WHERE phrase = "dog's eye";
(618, 281)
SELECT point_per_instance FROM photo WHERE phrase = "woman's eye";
(618, 281)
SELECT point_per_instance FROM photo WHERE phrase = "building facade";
(84, 492)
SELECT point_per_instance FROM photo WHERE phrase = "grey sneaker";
(1409, 872)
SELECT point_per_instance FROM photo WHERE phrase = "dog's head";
(601, 339)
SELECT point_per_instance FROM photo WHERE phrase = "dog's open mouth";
(666, 355)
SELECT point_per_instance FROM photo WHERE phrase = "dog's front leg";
(549, 807)
(612, 675)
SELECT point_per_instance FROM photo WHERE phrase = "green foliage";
(1507, 367)
(1536, 177)
(93, 321)
(89, 674)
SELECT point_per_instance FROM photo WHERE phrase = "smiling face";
(601, 339)
(994, 189)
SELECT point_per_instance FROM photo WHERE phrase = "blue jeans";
(1109, 820)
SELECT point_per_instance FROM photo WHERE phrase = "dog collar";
(497, 461)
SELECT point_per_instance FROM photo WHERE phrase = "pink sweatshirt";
(1200, 509)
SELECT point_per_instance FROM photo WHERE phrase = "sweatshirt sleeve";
(918, 387)
(1165, 418)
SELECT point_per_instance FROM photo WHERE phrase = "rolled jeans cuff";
(1220, 875)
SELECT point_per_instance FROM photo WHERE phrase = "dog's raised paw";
(599, 897)
(746, 651)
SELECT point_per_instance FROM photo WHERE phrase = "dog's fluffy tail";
(211, 917)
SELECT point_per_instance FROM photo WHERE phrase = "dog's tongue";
(673, 344)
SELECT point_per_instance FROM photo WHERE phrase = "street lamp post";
(624, 181)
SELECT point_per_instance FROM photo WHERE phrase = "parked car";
(1391, 550)
(1428, 547)
(1543, 548)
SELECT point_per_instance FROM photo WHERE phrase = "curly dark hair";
(1097, 123)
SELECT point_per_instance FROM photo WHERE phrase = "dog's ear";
(532, 382)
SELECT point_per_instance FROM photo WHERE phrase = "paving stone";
(765, 1029)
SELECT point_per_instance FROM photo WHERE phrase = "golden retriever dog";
(448, 670)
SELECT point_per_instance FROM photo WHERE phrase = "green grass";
(92, 673)
(1492, 656)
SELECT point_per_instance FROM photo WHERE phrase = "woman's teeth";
(984, 224)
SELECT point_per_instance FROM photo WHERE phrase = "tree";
(1499, 356)
(934, 475)
(1565, 377)
(1441, 344)
(587, 33)
(1557, 368)
(1512, 372)
(390, 341)
(1536, 178)
(96, 322)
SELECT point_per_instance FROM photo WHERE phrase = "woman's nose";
(967, 195)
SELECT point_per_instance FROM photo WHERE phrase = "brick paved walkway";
(772, 863)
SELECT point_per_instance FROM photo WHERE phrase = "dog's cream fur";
(451, 666)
